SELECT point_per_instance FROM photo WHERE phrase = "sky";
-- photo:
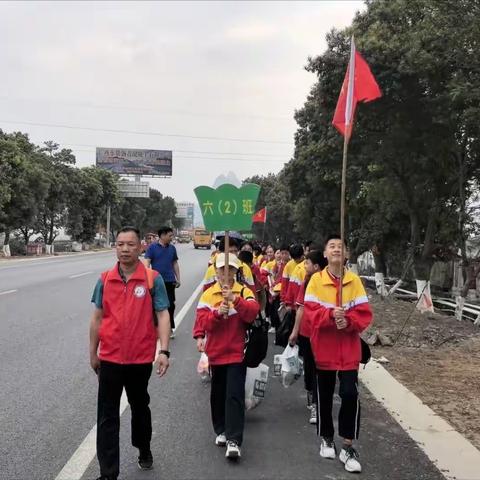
(217, 83)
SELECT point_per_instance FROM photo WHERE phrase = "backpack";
(256, 341)
(366, 353)
(150, 283)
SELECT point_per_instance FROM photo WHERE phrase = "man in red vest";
(131, 313)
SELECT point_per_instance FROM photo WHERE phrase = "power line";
(145, 109)
(138, 132)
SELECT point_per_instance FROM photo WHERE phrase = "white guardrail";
(470, 311)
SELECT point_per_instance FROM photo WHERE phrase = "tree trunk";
(6, 243)
(380, 270)
(353, 257)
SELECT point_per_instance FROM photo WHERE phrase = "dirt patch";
(436, 357)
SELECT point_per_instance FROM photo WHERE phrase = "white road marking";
(451, 453)
(85, 453)
(32, 262)
(80, 275)
(6, 292)
(183, 312)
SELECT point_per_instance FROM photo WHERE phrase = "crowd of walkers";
(134, 310)
(302, 282)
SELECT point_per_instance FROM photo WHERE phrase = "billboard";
(134, 189)
(130, 161)
(185, 212)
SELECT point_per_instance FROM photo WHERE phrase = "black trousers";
(349, 415)
(227, 400)
(309, 369)
(274, 306)
(170, 287)
(112, 378)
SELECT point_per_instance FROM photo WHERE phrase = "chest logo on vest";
(140, 291)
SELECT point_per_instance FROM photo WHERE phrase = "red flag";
(359, 85)
(260, 216)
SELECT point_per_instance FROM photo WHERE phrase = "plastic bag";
(203, 368)
(292, 366)
(255, 385)
(277, 365)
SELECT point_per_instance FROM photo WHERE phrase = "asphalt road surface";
(48, 394)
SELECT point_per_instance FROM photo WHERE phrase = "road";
(48, 394)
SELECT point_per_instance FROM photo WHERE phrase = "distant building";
(185, 212)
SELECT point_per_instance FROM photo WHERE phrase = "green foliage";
(95, 188)
(147, 214)
(414, 155)
(274, 195)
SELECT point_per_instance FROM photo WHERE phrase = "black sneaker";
(145, 460)
(104, 477)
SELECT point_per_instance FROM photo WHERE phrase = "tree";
(405, 140)
(95, 188)
(58, 167)
(26, 182)
(274, 196)
(147, 214)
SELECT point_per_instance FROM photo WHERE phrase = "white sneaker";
(221, 440)
(313, 415)
(233, 450)
(328, 449)
(349, 457)
(172, 334)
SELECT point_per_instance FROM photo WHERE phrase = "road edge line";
(452, 454)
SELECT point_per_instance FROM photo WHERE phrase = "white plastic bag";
(292, 366)
(255, 385)
(277, 365)
(203, 367)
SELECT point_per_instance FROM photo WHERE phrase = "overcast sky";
(168, 71)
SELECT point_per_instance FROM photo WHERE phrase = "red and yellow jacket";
(305, 327)
(225, 336)
(296, 280)
(335, 349)
(286, 277)
(273, 271)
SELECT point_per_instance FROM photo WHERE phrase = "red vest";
(127, 332)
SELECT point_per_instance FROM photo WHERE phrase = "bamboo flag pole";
(227, 252)
(342, 215)
(349, 109)
(264, 225)
(227, 258)
(359, 85)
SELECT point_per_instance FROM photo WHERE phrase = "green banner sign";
(228, 207)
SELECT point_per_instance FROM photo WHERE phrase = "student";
(296, 254)
(224, 312)
(314, 262)
(247, 247)
(257, 255)
(246, 258)
(244, 273)
(274, 270)
(335, 340)
(123, 341)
